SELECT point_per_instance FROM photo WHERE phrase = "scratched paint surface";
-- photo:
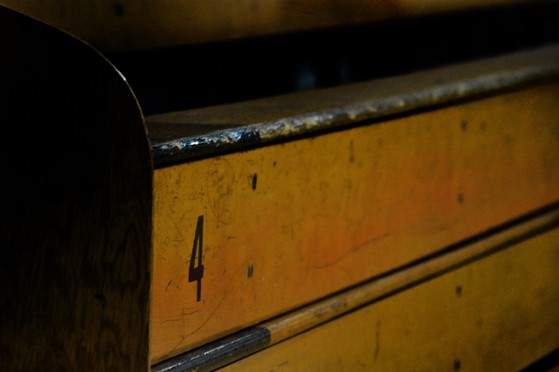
(289, 223)
(497, 314)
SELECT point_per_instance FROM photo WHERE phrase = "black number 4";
(196, 273)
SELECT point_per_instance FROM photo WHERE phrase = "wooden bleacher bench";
(402, 221)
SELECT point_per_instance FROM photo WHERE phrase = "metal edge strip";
(375, 100)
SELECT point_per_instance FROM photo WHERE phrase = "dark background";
(195, 76)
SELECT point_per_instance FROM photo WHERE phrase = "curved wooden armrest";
(77, 183)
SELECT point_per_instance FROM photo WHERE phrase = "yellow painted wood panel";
(289, 223)
(497, 314)
(132, 24)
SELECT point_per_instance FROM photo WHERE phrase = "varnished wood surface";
(281, 329)
(498, 314)
(77, 273)
(287, 224)
(132, 24)
(76, 211)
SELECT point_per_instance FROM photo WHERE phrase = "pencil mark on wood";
(351, 251)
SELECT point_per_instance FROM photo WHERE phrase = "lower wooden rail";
(498, 314)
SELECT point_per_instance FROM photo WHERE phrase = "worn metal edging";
(317, 111)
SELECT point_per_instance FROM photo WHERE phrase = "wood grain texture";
(287, 224)
(497, 314)
(76, 215)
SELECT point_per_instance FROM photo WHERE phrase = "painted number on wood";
(196, 269)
